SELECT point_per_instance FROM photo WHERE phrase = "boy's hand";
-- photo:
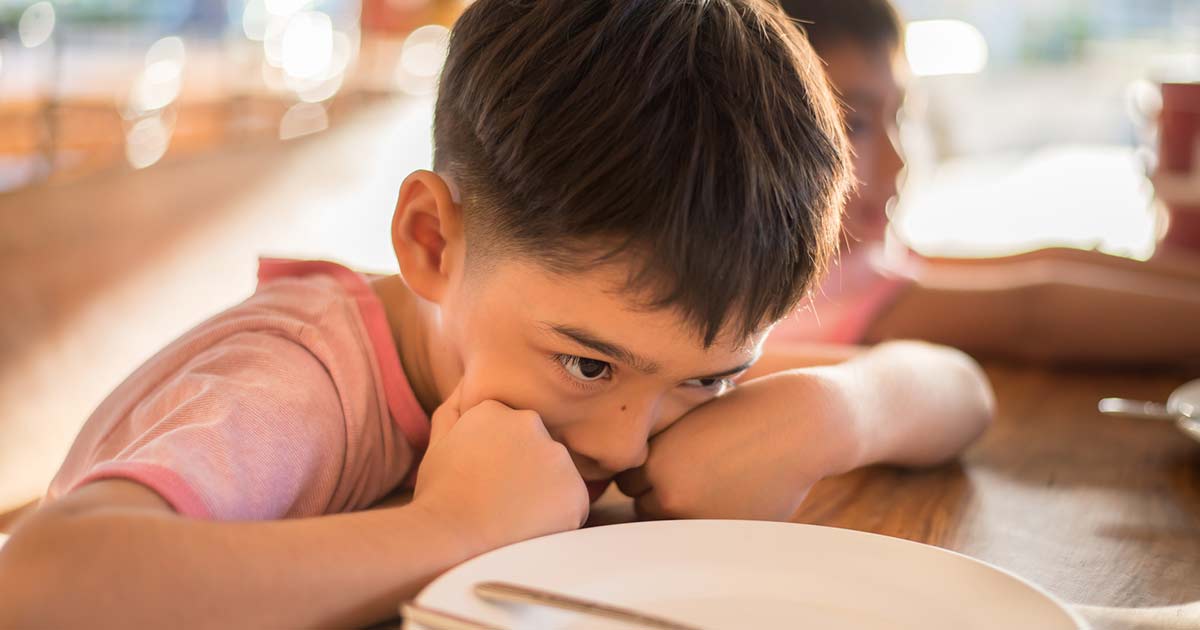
(753, 453)
(494, 475)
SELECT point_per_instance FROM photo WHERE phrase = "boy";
(627, 194)
(1057, 305)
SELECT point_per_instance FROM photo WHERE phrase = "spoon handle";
(1135, 409)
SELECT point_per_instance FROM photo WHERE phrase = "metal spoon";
(1182, 408)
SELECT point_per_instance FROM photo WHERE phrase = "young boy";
(1049, 305)
(627, 195)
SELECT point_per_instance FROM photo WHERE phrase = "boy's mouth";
(597, 488)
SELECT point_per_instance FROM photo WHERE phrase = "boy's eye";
(718, 385)
(583, 368)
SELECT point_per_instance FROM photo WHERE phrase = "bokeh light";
(421, 59)
(303, 119)
(36, 24)
(306, 45)
(147, 140)
(940, 47)
(159, 83)
(284, 8)
(254, 20)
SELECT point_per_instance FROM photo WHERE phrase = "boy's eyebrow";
(607, 348)
(731, 371)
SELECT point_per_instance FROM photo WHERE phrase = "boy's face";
(604, 374)
(870, 81)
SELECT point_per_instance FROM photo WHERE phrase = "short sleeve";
(250, 428)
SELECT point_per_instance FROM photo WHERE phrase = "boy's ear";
(427, 234)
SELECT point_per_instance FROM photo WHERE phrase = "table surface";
(1103, 512)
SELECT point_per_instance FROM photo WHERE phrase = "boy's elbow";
(979, 399)
(971, 399)
(968, 403)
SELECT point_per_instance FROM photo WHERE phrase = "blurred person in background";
(1055, 305)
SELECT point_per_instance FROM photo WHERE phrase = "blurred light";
(284, 8)
(254, 20)
(325, 85)
(425, 50)
(1143, 100)
(302, 119)
(166, 49)
(36, 24)
(1084, 196)
(421, 59)
(317, 92)
(273, 77)
(1, 61)
(156, 87)
(306, 47)
(147, 141)
(159, 83)
(937, 47)
(273, 40)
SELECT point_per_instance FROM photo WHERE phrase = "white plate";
(751, 575)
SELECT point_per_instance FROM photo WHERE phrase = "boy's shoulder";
(306, 290)
(277, 406)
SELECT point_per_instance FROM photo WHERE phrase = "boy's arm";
(940, 387)
(1037, 309)
(912, 403)
(1166, 263)
(766, 442)
(114, 554)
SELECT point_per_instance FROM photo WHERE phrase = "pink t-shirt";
(856, 292)
(293, 403)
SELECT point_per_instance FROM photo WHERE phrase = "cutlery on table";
(517, 594)
(1185, 415)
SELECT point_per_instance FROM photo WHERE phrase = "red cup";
(1179, 154)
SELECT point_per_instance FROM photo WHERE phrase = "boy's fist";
(496, 476)
(753, 453)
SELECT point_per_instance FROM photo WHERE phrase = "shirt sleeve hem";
(167, 483)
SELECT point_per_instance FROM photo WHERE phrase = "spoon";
(1182, 408)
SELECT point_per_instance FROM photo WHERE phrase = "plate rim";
(1069, 610)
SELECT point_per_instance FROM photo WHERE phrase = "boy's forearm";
(913, 404)
(142, 569)
(906, 403)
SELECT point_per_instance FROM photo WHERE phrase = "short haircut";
(696, 141)
(869, 23)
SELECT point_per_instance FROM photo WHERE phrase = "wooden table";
(1102, 512)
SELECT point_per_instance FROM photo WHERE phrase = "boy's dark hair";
(696, 139)
(869, 23)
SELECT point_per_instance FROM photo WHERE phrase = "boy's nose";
(613, 460)
(617, 443)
